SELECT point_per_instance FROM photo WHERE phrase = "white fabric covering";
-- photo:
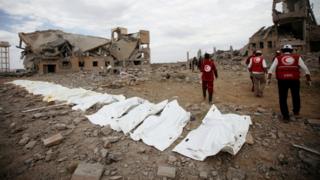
(218, 132)
(138, 114)
(84, 99)
(108, 114)
(161, 131)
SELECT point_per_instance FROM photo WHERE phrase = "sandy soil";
(272, 155)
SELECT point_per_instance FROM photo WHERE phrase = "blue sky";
(176, 26)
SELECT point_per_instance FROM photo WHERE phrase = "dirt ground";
(271, 156)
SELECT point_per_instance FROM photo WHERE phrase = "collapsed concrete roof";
(38, 38)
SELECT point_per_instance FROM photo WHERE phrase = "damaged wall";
(56, 51)
(294, 23)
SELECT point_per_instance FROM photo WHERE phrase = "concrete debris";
(166, 171)
(53, 140)
(88, 171)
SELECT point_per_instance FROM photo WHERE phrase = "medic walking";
(247, 63)
(208, 72)
(258, 67)
(287, 67)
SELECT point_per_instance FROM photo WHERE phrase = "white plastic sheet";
(108, 114)
(138, 114)
(218, 132)
(161, 131)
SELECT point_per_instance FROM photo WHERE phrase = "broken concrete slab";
(86, 171)
(166, 171)
(53, 140)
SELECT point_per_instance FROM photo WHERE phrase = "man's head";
(258, 53)
(206, 56)
(287, 48)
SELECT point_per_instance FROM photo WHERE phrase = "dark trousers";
(283, 88)
(207, 85)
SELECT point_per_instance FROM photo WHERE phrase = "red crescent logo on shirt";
(257, 59)
(207, 68)
(287, 60)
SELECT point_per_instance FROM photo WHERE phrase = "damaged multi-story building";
(294, 23)
(56, 51)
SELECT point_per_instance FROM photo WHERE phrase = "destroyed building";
(294, 23)
(52, 51)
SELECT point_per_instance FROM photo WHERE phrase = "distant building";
(53, 51)
(4, 56)
(294, 23)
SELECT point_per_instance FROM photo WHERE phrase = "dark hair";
(206, 56)
(287, 50)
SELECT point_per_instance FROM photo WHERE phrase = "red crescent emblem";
(207, 68)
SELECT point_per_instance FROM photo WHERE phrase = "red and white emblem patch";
(257, 59)
(207, 68)
(287, 60)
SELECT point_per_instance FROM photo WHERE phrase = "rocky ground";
(270, 153)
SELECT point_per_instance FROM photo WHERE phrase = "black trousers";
(283, 88)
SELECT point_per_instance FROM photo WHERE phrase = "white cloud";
(176, 26)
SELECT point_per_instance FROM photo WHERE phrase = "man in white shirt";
(287, 67)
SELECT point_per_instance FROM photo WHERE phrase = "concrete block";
(53, 140)
(86, 171)
(166, 171)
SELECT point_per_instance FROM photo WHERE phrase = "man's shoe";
(286, 119)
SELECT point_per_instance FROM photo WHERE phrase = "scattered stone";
(104, 153)
(141, 150)
(172, 159)
(77, 120)
(72, 167)
(53, 140)
(272, 135)
(280, 135)
(60, 126)
(261, 110)
(37, 115)
(106, 130)
(62, 159)
(95, 133)
(234, 173)
(30, 145)
(38, 157)
(12, 125)
(88, 171)
(282, 159)
(24, 141)
(203, 175)
(115, 177)
(314, 122)
(249, 138)
(214, 173)
(111, 158)
(166, 171)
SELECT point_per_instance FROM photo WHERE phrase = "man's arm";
(272, 69)
(215, 71)
(250, 64)
(264, 65)
(306, 71)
